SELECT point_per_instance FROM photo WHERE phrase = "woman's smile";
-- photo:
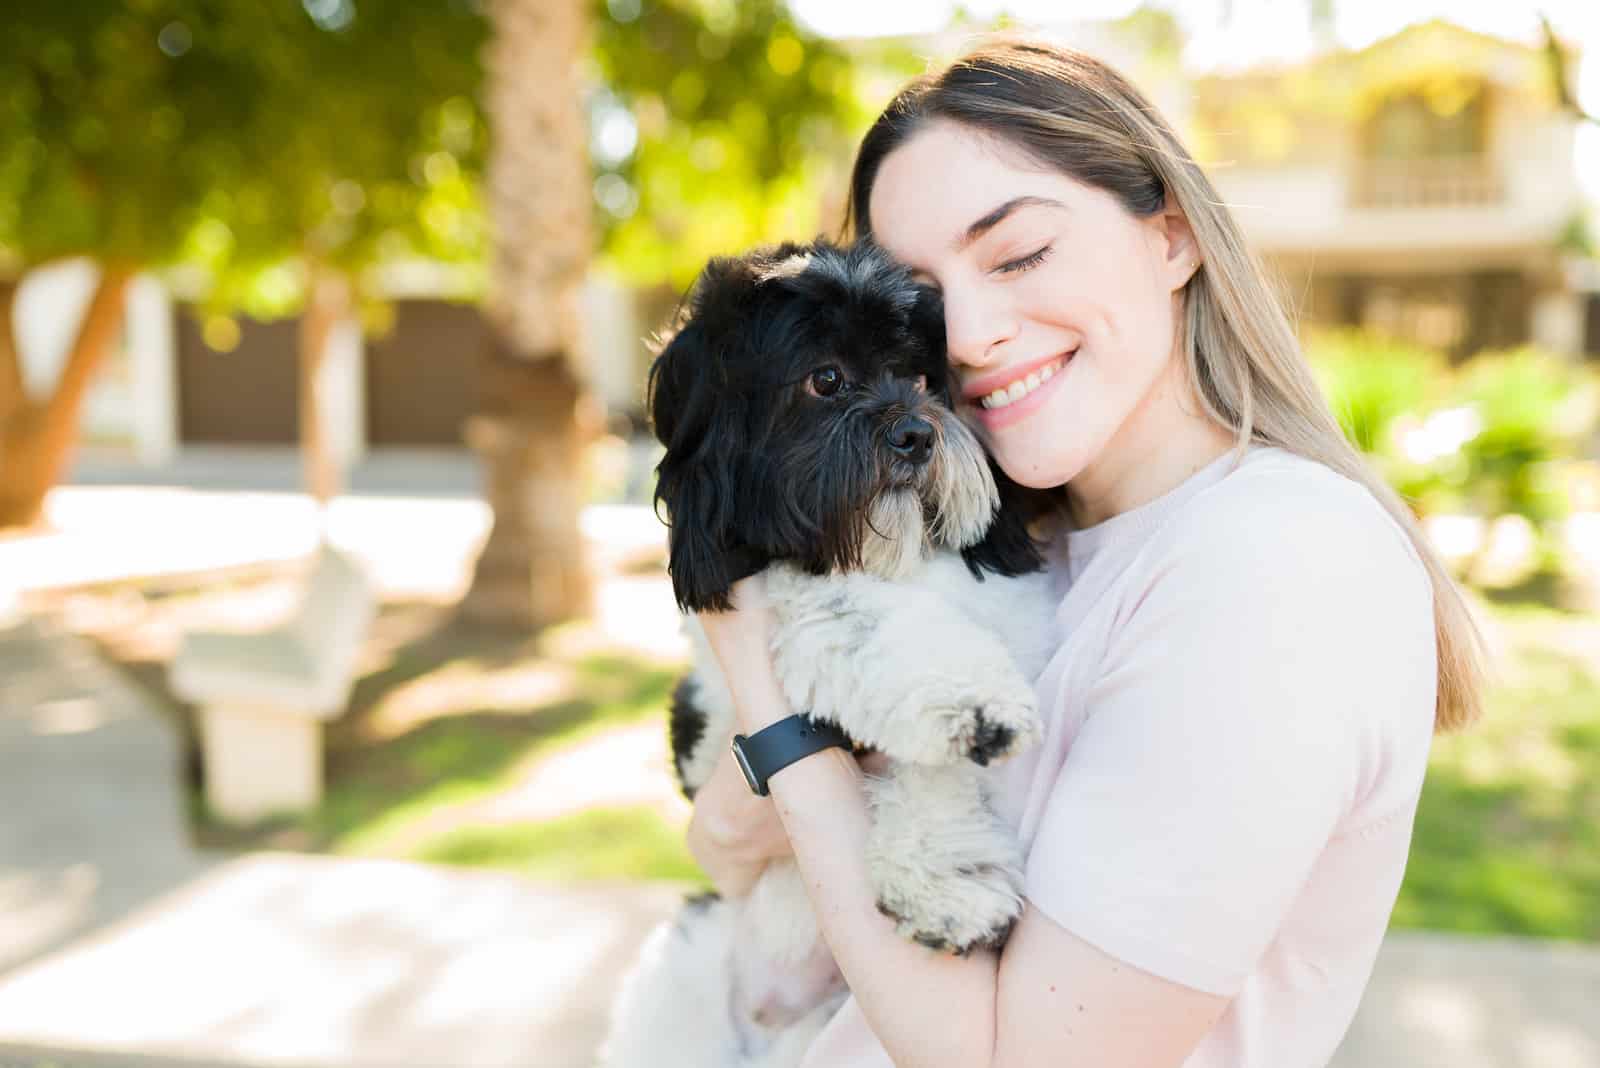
(1006, 396)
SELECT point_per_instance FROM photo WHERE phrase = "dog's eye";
(826, 381)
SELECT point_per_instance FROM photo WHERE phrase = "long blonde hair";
(1077, 115)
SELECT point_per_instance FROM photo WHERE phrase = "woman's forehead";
(929, 191)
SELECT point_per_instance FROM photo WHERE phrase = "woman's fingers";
(733, 833)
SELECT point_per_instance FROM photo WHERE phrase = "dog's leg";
(943, 864)
(782, 967)
(899, 668)
(672, 1009)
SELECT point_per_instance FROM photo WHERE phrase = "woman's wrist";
(739, 639)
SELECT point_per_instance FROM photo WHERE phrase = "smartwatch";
(771, 749)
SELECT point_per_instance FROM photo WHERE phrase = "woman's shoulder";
(1279, 515)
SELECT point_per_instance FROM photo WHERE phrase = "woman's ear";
(1180, 253)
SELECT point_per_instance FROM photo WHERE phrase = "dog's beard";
(959, 487)
(895, 541)
(950, 503)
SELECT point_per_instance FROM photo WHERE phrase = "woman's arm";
(1052, 999)
(732, 832)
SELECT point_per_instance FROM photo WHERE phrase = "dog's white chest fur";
(926, 669)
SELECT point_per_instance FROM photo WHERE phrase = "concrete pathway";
(120, 945)
(1441, 1001)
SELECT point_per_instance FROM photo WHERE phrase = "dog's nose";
(912, 438)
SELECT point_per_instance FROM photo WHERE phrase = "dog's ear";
(696, 479)
(1009, 547)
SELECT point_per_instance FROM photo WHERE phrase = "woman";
(1255, 642)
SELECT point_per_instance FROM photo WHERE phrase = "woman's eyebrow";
(994, 218)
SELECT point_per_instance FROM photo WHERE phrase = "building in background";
(1423, 187)
(174, 384)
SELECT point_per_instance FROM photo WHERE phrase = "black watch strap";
(771, 749)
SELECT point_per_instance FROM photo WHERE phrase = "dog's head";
(805, 407)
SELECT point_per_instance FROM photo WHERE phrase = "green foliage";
(1535, 410)
(717, 125)
(1507, 836)
(238, 137)
(361, 142)
(1491, 437)
(597, 843)
(109, 143)
(1373, 381)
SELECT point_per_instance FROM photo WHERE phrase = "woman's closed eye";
(1027, 262)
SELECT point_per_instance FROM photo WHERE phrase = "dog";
(804, 404)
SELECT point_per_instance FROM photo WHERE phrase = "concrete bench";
(264, 695)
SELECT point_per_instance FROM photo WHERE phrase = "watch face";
(744, 766)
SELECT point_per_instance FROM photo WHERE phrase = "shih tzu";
(804, 403)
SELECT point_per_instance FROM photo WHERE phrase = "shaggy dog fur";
(804, 405)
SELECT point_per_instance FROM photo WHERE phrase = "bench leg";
(260, 761)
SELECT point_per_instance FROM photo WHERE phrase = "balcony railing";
(1426, 183)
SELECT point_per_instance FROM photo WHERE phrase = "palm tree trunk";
(36, 440)
(528, 431)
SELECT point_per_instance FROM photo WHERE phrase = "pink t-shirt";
(1237, 723)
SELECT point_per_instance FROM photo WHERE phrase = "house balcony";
(1470, 181)
(1505, 210)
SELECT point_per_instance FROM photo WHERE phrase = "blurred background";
(335, 641)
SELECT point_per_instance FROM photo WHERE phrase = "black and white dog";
(804, 403)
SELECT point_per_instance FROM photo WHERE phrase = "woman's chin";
(1033, 471)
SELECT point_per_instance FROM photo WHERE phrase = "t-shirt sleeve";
(1236, 720)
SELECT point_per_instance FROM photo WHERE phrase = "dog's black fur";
(762, 462)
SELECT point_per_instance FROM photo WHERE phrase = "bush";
(1371, 381)
(1536, 411)
(1491, 437)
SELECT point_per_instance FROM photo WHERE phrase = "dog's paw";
(981, 727)
(956, 911)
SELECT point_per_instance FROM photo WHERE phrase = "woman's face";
(1061, 307)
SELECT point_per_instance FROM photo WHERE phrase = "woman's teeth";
(1023, 386)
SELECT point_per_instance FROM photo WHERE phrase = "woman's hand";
(740, 640)
(734, 834)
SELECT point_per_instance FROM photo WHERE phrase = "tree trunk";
(13, 391)
(528, 430)
(327, 303)
(36, 440)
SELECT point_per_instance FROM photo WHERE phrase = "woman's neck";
(1166, 439)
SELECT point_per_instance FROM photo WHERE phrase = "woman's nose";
(974, 325)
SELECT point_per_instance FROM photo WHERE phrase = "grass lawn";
(1508, 831)
(547, 756)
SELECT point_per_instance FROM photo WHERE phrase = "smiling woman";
(1253, 644)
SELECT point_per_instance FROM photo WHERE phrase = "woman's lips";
(1021, 400)
(984, 385)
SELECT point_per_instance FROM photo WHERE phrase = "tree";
(1558, 60)
(275, 148)
(716, 126)
(88, 118)
(528, 430)
(343, 165)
